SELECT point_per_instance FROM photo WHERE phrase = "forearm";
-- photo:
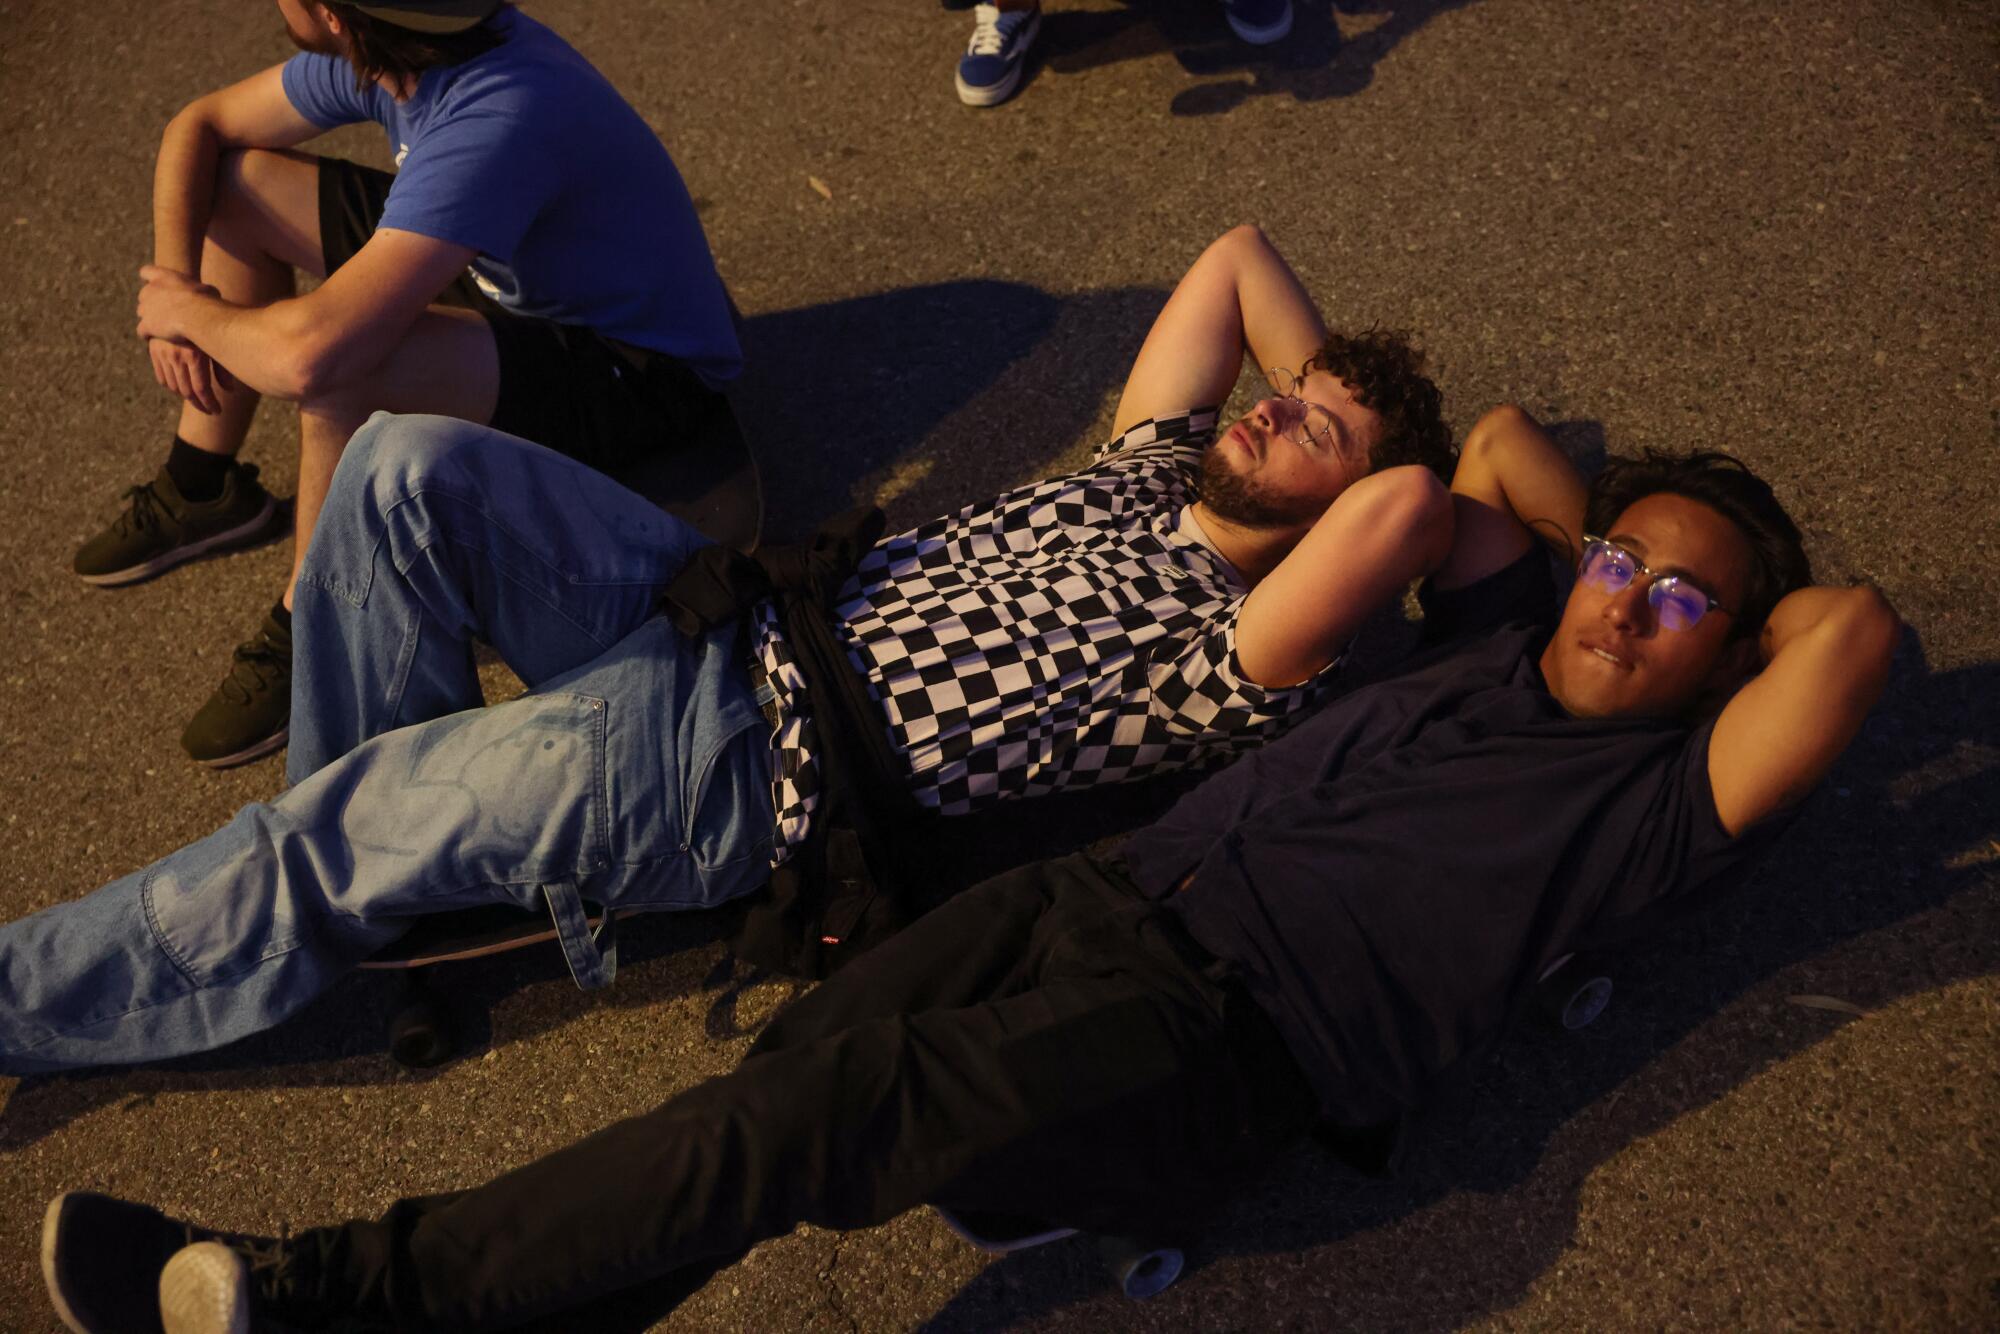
(1512, 484)
(1386, 530)
(1852, 630)
(184, 191)
(272, 349)
(1280, 324)
(1238, 293)
(1510, 463)
(1826, 659)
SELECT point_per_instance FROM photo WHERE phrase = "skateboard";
(420, 1030)
(1143, 1268)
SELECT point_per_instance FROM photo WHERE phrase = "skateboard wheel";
(420, 1034)
(1578, 1001)
(1142, 1271)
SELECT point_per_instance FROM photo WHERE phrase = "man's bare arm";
(305, 346)
(1512, 485)
(1238, 293)
(1826, 655)
(252, 114)
(1387, 529)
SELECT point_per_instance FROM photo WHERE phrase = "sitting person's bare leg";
(447, 365)
(264, 225)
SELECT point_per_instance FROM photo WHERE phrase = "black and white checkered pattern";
(1064, 634)
(794, 777)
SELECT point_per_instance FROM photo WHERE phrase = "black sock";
(197, 473)
(282, 615)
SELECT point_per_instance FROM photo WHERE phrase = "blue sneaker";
(1259, 22)
(990, 70)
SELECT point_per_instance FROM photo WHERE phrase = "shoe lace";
(254, 666)
(143, 511)
(992, 27)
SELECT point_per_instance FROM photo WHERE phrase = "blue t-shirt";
(528, 155)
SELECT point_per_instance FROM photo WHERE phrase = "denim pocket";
(729, 809)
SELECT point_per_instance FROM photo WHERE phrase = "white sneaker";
(205, 1289)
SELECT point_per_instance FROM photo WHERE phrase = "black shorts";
(600, 401)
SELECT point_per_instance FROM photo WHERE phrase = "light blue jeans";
(634, 773)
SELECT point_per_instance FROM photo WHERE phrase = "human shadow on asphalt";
(928, 397)
(1874, 894)
(1313, 63)
(947, 393)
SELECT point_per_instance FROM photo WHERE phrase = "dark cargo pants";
(1047, 1045)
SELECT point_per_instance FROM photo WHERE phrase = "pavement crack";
(831, 1275)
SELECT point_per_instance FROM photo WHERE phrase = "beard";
(1242, 501)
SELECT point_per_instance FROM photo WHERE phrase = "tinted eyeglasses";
(1610, 568)
(1315, 428)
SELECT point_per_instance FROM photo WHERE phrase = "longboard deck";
(473, 933)
(997, 1234)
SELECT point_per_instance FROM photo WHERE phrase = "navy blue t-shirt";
(1393, 876)
(529, 156)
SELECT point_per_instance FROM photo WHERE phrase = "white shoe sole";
(1277, 32)
(990, 96)
(166, 560)
(203, 1290)
(63, 1312)
(276, 741)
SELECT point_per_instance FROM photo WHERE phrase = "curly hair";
(1386, 372)
(1726, 485)
(378, 48)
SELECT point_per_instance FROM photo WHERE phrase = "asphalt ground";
(1764, 226)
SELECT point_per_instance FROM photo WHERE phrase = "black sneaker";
(160, 529)
(250, 713)
(109, 1265)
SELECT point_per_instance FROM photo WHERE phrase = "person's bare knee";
(326, 419)
(266, 207)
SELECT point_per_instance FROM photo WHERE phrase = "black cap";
(435, 16)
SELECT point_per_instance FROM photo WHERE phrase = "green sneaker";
(160, 529)
(250, 713)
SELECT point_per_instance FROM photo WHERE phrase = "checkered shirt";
(1063, 634)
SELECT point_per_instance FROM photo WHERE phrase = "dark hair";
(1726, 485)
(1386, 372)
(378, 48)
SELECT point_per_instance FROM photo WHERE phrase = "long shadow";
(928, 397)
(942, 394)
(1313, 63)
(1882, 888)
